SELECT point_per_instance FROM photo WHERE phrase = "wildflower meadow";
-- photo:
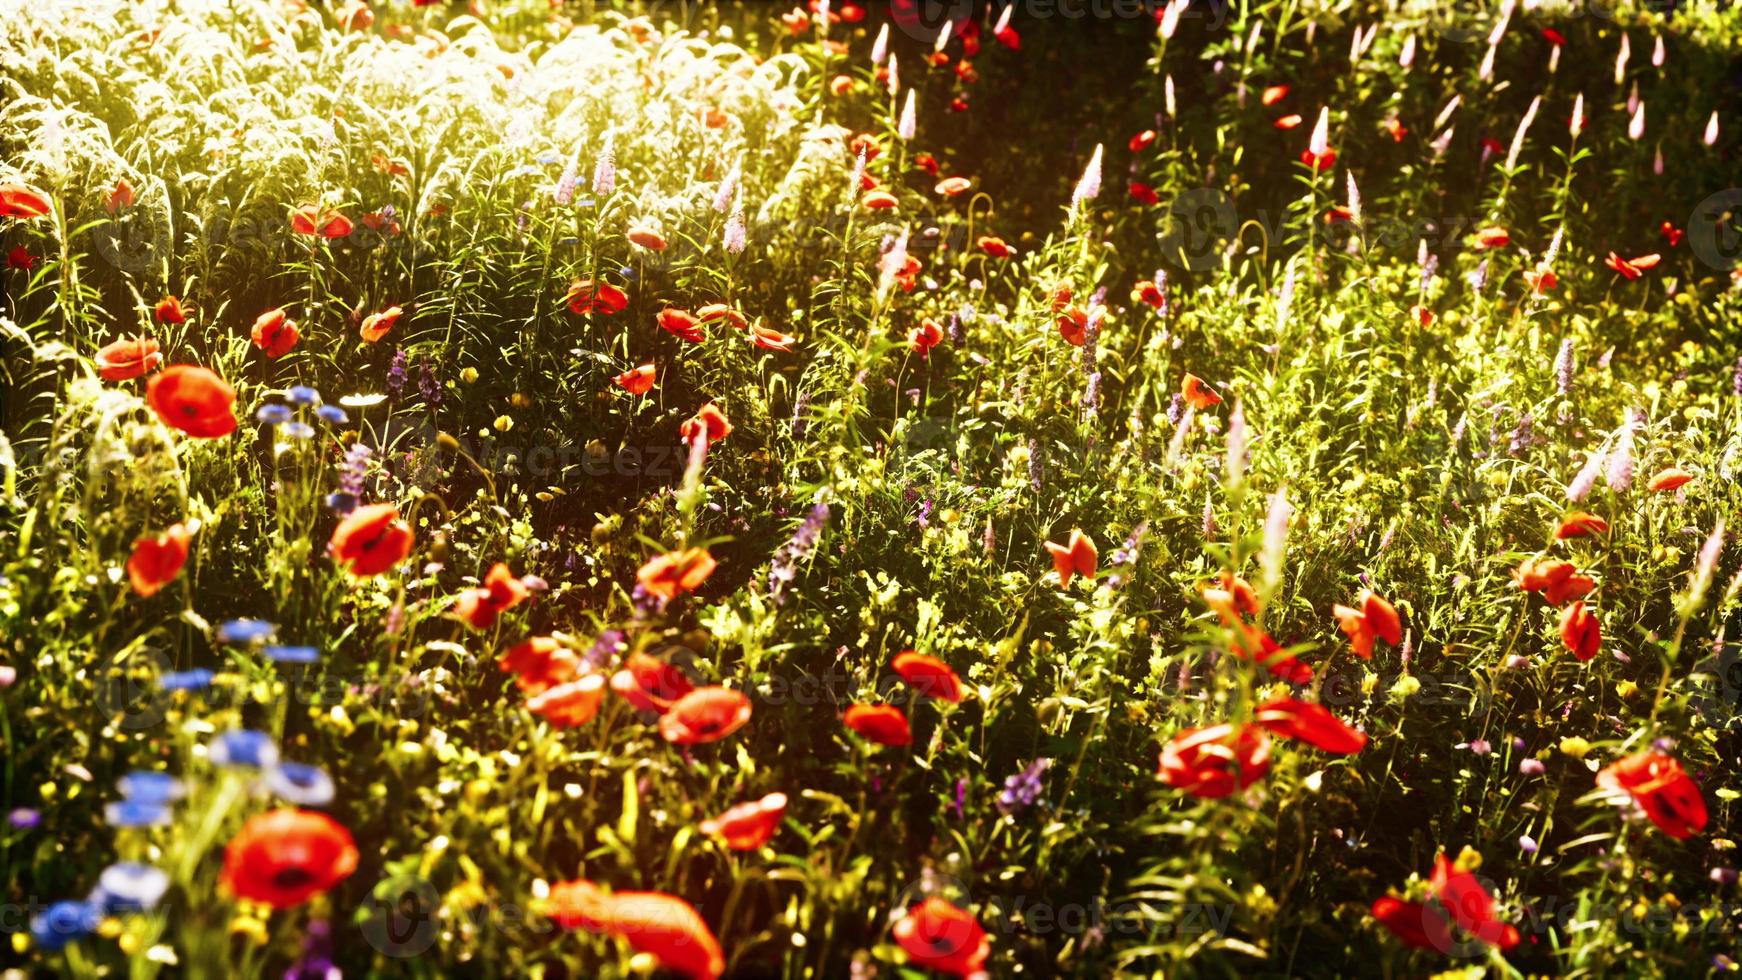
(870, 488)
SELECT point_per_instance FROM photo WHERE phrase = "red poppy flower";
(1274, 94)
(1059, 297)
(313, 220)
(768, 338)
(1148, 293)
(1570, 588)
(647, 238)
(928, 676)
(1492, 146)
(881, 723)
(1672, 478)
(1382, 616)
(1310, 723)
(1198, 394)
(389, 165)
(156, 561)
(1008, 36)
(570, 704)
(586, 296)
(20, 258)
(1375, 620)
(1073, 326)
(577, 905)
(1537, 574)
(681, 323)
(1554, 37)
(908, 276)
(19, 201)
(1355, 626)
(1579, 524)
(650, 684)
(382, 222)
(501, 591)
(663, 926)
(865, 145)
(953, 186)
(927, 163)
(1632, 268)
(355, 16)
(939, 936)
(1337, 214)
(371, 540)
(878, 201)
(1077, 556)
(285, 857)
(638, 380)
(748, 826)
(1242, 597)
(1317, 152)
(1142, 141)
(675, 573)
(1493, 237)
(1469, 904)
(1211, 763)
(925, 336)
(1541, 281)
(1672, 234)
(1421, 314)
(1396, 128)
(708, 423)
(1667, 794)
(706, 714)
(1252, 643)
(720, 311)
(840, 85)
(1581, 631)
(127, 359)
(1289, 121)
(539, 663)
(169, 310)
(191, 399)
(1416, 924)
(120, 198)
(376, 325)
(994, 246)
(275, 333)
(1143, 192)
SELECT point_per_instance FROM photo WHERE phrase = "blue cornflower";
(301, 784)
(292, 655)
(131, 813)
(62, 923)
(303, 395)
(197, 679)
(151, 788)
(332, 415)
(242, 631)
(273, 414)
(243, 747)
(129, 886)
(341, 502)
(299, 430)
